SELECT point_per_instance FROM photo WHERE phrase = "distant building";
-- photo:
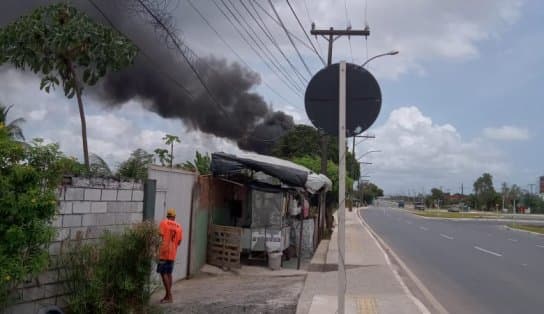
(542, 185)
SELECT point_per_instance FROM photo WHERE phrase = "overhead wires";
(305, 33)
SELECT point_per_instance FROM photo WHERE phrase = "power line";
(348, 25)
(310, 20)
(232, 49)
(156, 67)
(290, 39)
(301, 41)
(263, 47)
(304, 31)
(176, 43)
(270, 36)
(293, 86)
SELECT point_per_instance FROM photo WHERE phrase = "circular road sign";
(363, 99)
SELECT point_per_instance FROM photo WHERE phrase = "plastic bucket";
(274, 260)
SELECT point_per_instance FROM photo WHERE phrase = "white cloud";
(507, 133)
(418, 153)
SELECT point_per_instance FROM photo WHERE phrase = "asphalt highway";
(469, 266)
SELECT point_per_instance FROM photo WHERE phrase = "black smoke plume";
(232, 111)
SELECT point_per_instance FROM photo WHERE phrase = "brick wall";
(87, 207)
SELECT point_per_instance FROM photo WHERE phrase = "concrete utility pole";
(331, 35)
(351, 165)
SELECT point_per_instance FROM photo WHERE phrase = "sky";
(463, 96)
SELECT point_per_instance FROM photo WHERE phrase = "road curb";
(386, 250)
(526, 231)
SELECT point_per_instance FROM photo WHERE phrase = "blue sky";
(463, 97)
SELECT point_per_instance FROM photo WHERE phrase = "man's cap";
(171, 212)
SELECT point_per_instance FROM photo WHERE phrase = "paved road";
(469, 266)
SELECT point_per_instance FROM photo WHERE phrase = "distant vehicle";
(419, 205)
(454, 209)
(401, 204)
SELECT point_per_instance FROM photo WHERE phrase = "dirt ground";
(234, 293)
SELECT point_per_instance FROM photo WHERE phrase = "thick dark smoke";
(235, 112)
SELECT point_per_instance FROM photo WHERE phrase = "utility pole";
(331, 35)
(351, 165)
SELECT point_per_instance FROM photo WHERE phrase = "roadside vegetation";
(446, 214)
(532, 228)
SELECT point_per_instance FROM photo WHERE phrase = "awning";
(287, 172)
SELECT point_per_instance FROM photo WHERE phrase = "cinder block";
(78, 233)
(122, 219)
(137, 195)
(92, 194)
(94, 232)
(88, 220)
(124, 195)
(99, 207)
(109, 195)
(50, 276)
(65, 207)
(128, 185)
(53, 290)
(74, 194)
(81, 207)
(54, 248)
(57, 221)
(117, 207)
(136, 218)
(30, 307)
(62, 234)
(71, 220)
(104, 219)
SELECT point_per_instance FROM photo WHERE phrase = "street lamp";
(370, 151)
(390, 53)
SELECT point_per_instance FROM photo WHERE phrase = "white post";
(342, 188)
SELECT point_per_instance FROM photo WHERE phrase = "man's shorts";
(165, 267)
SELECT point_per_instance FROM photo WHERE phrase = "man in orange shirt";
(172, 234)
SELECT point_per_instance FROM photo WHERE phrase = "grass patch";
(445, 214)
(532, 228)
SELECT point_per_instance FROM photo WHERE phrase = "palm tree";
(13, 127)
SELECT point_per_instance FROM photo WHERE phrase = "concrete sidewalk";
(373, 286)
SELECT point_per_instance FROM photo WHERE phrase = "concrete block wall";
(87, 208)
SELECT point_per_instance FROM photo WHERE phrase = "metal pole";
(351, 170)
(341, 188)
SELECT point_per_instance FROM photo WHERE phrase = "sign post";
(341, 187)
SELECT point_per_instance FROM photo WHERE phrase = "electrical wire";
(263, 46)
(348, 25)
(232, 49)
(290, 39)
(269, 35)
(301, 41)
(178, 46)
(305, 33)
(156, 67)
(292, 84)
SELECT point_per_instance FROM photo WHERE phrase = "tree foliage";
(13, 127)
(29, 176)
(65, 47)
(170, 139)
(368, 192)
(201, 164)
(135, 167)
(304, 140)
(99, 167)
(485, 192)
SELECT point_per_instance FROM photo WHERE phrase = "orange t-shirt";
(172, 234)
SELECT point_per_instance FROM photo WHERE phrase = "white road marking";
(540, 246)
(446, 236)
(513, 240)
(524, 265)
(487, 251)
(423, 228)
(408, 222)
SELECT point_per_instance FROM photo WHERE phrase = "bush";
(112, 275)
(27, 206)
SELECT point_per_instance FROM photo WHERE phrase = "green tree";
(485, 192)
(99, 167)
(66, 47)
(135, 167)
(170, 140)
(201, 163)
(304, 140)
(437, 195)
(13, 127)
(164, 156)
(369, 191)
(29, 177)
